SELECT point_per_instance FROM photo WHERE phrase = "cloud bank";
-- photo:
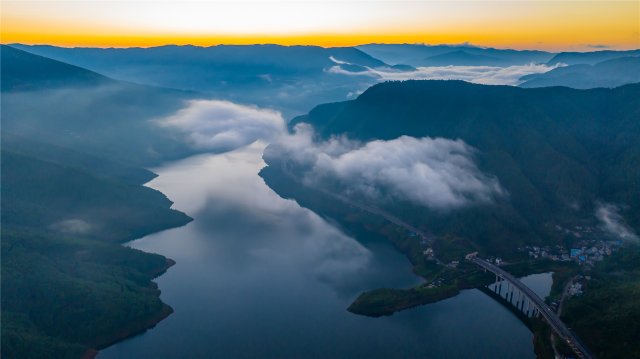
(613, 223)
(486, 75)
(436, 173)
(215, 125)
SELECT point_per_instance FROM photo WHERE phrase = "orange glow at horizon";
(547, 25)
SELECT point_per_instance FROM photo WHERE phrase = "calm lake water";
(258, 276)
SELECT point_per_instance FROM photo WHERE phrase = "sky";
(540, 24)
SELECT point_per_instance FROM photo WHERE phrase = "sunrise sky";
(541, 24)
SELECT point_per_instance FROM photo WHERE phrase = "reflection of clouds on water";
(253, 225)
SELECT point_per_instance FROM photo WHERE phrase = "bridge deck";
(550, 316)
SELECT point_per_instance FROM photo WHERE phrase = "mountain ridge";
(22, 70)
(609, 73)
(590, 58)
(417, 54)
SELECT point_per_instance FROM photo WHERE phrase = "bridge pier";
(519, 302)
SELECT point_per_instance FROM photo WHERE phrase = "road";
(565, 292)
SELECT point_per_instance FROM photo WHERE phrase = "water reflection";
(258, 276)
(539, 283)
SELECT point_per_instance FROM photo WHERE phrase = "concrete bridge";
(531, 304)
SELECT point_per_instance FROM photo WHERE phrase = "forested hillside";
(72, 192)
(557, 152)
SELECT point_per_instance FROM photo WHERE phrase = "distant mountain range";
(92, 112)
(293, 79)
(458, 55)
(468, 55)
(290, 78)
(224, 62)
(585, 69)
(590, 58)
(609, 73)
(460, 58)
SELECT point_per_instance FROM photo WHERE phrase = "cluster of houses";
(585, 251)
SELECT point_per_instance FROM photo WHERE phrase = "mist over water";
(259, 276)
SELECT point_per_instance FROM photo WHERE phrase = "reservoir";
(258, 276)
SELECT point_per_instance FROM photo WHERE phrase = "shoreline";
(135, 327)
(140, 326)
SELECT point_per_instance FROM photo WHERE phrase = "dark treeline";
(72, 144)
